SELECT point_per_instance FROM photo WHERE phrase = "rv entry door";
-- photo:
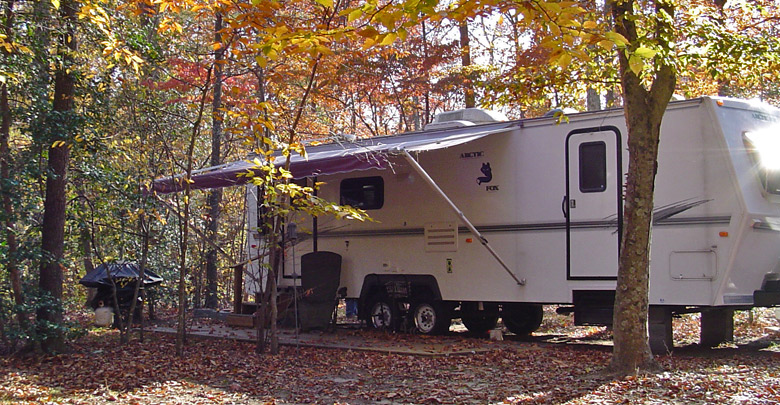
(593, 204)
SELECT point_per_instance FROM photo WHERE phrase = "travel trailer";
(479, 218)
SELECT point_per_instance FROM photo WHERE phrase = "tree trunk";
(53, 226)
(593, 99)
(215, 195)
(643, 112)
(11, 262)
(85, 239)
(465, 56)
(184, 219)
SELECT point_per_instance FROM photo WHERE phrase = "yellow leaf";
(216, 46)
(606, 44)
(564, 60)
(354, 15)
(589, 25)
(56, 4)
(325, 3)
(368, 43)
(389, 38)
(261, 61)
(645, 52)
(636, 64)
(617, 39)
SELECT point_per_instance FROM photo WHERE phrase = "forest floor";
(560, 363)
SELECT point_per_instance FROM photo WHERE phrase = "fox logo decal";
(488, 174)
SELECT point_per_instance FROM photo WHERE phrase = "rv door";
(593, 204)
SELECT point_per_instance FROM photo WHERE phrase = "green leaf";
(354, 15)
(636, 64)
(645, 52)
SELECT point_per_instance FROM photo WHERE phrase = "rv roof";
(363, 154)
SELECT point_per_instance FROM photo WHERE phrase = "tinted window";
(593, 167)
(366, 193)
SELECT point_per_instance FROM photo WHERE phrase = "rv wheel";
(522, 319)
(431, 317)
(382, 314)
(479, 324)
(477, 321)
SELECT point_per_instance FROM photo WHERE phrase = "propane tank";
(104, 316)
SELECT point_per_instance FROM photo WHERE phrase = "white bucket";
(104, 316)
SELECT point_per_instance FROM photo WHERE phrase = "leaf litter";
(516, 371)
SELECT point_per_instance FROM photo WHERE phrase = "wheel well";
(400, 287)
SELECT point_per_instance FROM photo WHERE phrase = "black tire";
(382, 314)
(479, 319)
(431, 317)
(479, 324)
(522, 319)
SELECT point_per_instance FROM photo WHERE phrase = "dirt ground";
(558, 364)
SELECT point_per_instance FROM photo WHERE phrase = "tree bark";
(6, 181)
(215, 195)
(643, 113)
(53, 226)
(465, 56)
(184, 220)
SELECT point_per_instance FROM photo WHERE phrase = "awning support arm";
(428, 179)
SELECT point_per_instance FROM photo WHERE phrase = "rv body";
(547, 197)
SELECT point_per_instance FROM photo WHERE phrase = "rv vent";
(465, 117)
(441, 237)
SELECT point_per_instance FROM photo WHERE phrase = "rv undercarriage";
(413, 303)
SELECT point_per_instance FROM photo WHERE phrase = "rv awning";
(365, 154)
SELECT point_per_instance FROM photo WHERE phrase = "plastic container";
(104, 316)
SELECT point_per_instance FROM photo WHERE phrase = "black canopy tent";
(121, 273)
(125, 277)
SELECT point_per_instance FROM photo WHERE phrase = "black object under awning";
(126, 271)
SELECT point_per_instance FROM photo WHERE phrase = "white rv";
(480, 219)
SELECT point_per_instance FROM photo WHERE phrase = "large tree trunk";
(643, 111)
(215, 195)
(53, 226)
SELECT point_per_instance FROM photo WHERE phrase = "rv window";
(593, 167)
(366, 193)
(768, 175)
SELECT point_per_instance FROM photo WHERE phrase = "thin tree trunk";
(11, 262)
(465, 56)
(53, 226)
(85, 242)
(643, 111)
(185, 219)
(215, 195)
(144, 229)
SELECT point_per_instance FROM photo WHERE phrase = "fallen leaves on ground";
(100, 370)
